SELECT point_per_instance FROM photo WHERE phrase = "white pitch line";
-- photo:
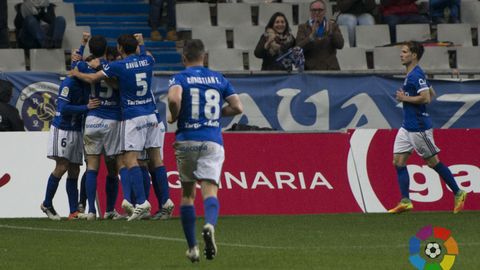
(145, 236)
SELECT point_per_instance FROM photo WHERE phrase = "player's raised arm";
(234, 106)
(174, 102)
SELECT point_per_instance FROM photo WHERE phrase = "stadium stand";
(254, 63)
(459, 34)
(246, 37)
(435, 59)
(266, 10)
(225, 59)
(234, 15)
(371, 36)
(214, 37)
(418, 32)
(352, 59)
(12, 60)
(67, 11)
(191, 15)
(387, 58)
(47, 60)
(73, 35)
(346, 38)
(469, 10)
(468, 58)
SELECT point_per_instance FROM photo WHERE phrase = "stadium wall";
(296, 102)
(274, 173)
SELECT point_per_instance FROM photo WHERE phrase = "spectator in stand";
(9, 117)
(276, 41)
(37, 25)
(444, 11)
(400, 12)
(355, 12)
(156, 10)
(3, 24)
(320, 39)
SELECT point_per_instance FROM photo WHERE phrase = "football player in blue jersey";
(416, 131)
(195, 101)
(141, 129)
(66, 144)
(101, 135)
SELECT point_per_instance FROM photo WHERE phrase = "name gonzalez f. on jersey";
(415, 116)
(202, 98)
(135, 93)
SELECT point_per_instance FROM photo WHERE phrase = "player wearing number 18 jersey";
(195, 99)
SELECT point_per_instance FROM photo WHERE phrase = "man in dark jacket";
(3, 24)
(37, 26)
(9, 117)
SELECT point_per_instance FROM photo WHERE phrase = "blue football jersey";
(73, 95)
(202, 98)
(109, 97)
(134, 74)
(415, 116)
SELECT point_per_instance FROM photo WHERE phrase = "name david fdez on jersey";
(136, 64)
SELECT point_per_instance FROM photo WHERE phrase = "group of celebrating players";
(108, 108)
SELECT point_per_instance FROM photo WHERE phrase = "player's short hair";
(112, 53)
(97, 45)
(415, 47)
(128, 42)
(193, 49)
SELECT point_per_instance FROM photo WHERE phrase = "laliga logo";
(439, 252)
(37, 104)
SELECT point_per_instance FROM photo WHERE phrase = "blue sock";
(83, 191)
(187, 213)
(52, 186)
(447, 176)
(211, 207)
(403, 181)
(135, 175)
(161, 176)
(126, 186)
(72, 193)
(156, 188)
(111, 190)
(91, 187)
(146, 181)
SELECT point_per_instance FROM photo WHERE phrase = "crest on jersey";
(65, 91)
(171, 82)
(36, 104)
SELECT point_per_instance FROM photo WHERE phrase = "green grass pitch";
(332, 241)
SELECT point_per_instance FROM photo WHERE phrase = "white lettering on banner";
(464, 174)
(429, 188)
(367, 108)
(253, 114)
(468, 99)
(283, 180)
(322, 106)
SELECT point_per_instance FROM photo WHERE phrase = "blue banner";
(296, 102)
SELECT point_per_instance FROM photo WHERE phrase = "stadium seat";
(234, 15)
(418, 32)
(12, 60)
(468, 58)
(247, 37)
(469, 12)
(255, 2)
(214, 37)
(47, 60)
(387, 58)
(225, 59)
(12, 13)
(459, 34)
(67, 11)
(346, 38)
(266, 10)
(436, 59)
(73, 36)
(254, 63)
(352, 59)
(371, 36)
(298, 1)
(294, 30)
(191, 15)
